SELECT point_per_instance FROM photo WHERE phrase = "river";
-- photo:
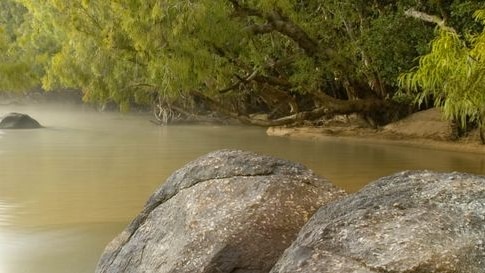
(66, 190)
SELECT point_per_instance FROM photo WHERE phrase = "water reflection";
(68, 249)
(5, 214)
(1, 135)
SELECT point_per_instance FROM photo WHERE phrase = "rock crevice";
(414, 221)
(234, 211)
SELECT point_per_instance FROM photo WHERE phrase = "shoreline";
(379, 136)
(425, 129)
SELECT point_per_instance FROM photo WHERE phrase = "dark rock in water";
(228, 211)
(18, 121)
(411, 222)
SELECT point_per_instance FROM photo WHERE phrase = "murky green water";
(68, 189)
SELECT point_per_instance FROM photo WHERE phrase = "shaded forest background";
(264, 62)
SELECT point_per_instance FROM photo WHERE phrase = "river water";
(66, 190)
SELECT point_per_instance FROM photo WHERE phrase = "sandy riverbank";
(424, 129)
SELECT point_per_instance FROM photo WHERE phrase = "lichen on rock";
(228, 211)
(413, 222)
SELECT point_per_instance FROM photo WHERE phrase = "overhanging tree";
(16, 72)
(453, 74)
(291, 59)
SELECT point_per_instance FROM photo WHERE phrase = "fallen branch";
(331, 106)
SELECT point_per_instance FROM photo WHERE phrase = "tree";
(15, 68)
(291, 59)
(77, 39)
(453, 75)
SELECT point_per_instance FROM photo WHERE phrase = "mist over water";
(66, 190)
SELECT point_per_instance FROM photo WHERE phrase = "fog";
(67, 189)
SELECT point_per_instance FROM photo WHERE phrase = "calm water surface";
(68, 189)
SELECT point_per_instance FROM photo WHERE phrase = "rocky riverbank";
(423, 129)
(240, 212)
(228, 211)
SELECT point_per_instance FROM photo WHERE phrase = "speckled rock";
(18, 121)
(413, 222)
(228, 211)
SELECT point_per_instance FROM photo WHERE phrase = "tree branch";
(331, 106)
(286, 27)
(244, 11)
(260, 29)
(273, 81)
(240, 81)
(277, 22)
(429, 18)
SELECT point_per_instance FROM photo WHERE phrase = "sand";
(425, 129)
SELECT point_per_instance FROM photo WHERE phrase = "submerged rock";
(18, 121)
(410, 222)
(228, 211)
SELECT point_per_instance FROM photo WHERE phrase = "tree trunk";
(481, 126)
(331, 106)
(482, 134)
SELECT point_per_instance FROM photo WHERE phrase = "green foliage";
(373, 42)
(131, 51)
(460, 14)
(16, 72)
(383, 41)
(453, 75)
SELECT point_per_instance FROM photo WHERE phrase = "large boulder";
(429, 124)
(228, 211)
(411, 222)
(18, 121)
